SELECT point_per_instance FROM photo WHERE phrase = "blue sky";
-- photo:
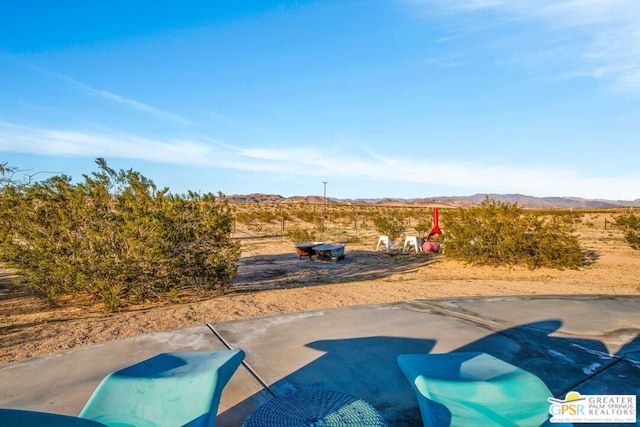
(388, 98)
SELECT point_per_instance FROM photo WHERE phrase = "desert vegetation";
(492, 233)
(185, 252)
(629, 222)
(118, 239)
(115, 237)
(498, 233)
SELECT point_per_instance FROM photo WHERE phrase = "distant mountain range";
(453, 201)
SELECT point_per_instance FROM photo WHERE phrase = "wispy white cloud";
(595, 38)
(349, 163)
(127, 102)
(450, 60)
(56, 142)
(484, 177)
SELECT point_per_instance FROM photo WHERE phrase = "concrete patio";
(586, 344)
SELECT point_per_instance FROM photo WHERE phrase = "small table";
(315, 408)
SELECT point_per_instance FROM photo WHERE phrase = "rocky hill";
(453, 201)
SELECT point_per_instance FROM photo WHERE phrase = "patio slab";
(351, 349)
(62, 382)
(587, 344)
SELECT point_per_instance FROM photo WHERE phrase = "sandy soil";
(272, 280)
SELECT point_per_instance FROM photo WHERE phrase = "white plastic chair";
(411, 240)
(386, 241)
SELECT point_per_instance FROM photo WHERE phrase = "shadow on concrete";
(562, 362)
(366, 367)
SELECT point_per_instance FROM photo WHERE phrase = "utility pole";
(325, 191)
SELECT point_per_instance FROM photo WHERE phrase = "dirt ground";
(272, 280)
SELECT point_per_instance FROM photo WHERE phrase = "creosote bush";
(423, 227)
(630, 224)
(115, 236)
(497, 233)
(390, 225)
(299, 234)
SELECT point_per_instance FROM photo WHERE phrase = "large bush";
(499, 233)
(630, 225)
(115, 236)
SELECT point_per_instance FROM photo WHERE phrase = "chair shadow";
(347, 366)
(564, 363)
(366, 367)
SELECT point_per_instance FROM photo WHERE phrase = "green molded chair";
(473, 389)
(170, 389)
(23, 417)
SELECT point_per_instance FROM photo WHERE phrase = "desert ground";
(273, 280)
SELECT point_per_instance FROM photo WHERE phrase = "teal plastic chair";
(170, 389)
(23, 417)
(469, 389)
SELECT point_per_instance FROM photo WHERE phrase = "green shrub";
(299, 234)
(305, 213)
(423, 227)
(630, 224)
(389, 225)
(266, 217)
(497, 233)
(116, 237)
(244, 218)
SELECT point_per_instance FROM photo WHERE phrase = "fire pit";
(432, 244)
